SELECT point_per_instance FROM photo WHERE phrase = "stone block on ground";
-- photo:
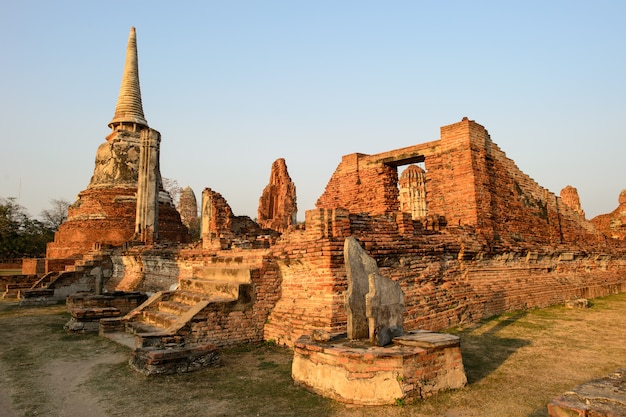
(174, 360)
(602, 397)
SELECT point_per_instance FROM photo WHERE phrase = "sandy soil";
(64, 380)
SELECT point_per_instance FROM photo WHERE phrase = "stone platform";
(175, 359)
(417, 365)
(603, 397)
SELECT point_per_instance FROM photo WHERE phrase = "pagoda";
(125, 200)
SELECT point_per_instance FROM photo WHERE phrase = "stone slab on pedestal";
(359, 265)
(428, 340)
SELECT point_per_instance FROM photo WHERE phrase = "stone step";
(210, 287)
(139, 327)
(187, 297)
(173, 307)
(160, 319)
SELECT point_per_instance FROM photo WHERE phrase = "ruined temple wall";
(313, 279)
(360, 184)
(484, 188)
(470, 182)
(448, 278)
(451, 175)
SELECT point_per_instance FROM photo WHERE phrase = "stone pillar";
(147, 215)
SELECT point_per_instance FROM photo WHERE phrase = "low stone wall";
(34, 266)
(122, 301)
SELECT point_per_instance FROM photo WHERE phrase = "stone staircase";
(160, 330)
(165, 318)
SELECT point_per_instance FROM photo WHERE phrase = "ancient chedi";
(125, 199)
(569, 196)
(188, 209)
(412, 185)
(613, 224)
(277, 206)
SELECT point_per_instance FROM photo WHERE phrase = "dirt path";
(65, 381)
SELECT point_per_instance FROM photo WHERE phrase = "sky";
(234, 85)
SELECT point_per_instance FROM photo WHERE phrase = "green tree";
(20, 235)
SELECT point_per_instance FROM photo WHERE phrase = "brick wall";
(106, 216)
(470, 182)
(448, 277)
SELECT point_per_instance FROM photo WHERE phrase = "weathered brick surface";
(277, 206)
(366, 375)
(106, 216)
(613, 224)
(448, 277)
(602, 397)
(123, 302)
(469, 182)
(165, 361)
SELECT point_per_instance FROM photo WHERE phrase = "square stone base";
(416, 366)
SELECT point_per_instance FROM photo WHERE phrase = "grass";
(515, 364)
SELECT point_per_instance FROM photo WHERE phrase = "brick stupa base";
(417, 365)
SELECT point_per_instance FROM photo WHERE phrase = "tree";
(53, 217)
(21, 236)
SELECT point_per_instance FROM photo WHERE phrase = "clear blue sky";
(234, 85)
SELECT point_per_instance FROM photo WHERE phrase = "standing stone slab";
(374, 303)
(359, 265)
(384, 306)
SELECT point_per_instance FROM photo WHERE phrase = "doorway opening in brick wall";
(412, 189)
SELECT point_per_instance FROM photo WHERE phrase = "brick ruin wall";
(509, 244)
(447, 278)
(106, 216)
(470, 182)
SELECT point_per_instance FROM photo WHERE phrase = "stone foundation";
(416, 366)
(179, 359)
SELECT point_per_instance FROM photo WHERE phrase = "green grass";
(515, 363)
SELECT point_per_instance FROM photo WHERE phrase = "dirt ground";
(515, 364)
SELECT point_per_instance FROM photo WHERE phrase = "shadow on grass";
(484, 351)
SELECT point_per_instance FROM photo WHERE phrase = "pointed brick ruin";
(613, 224)
(277, 206)
(125, 199)
(188, 206)
(188, 209)
(569, 196)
